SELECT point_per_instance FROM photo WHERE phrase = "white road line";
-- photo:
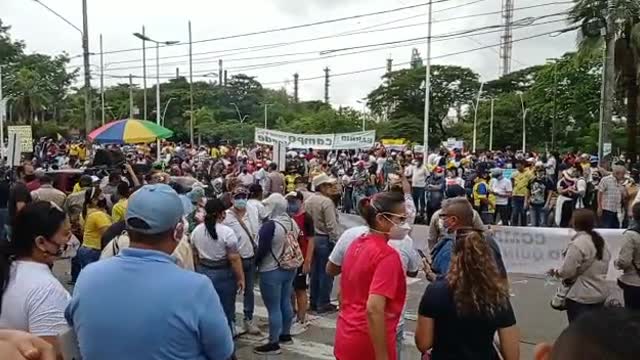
(321, 322)
(310, 349)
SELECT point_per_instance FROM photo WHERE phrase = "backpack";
(291, 257)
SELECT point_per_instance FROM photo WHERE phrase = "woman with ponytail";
(460, 312)
(217, 247)
(31, 298)
(96, 222)
(372, 287)
(585, 266)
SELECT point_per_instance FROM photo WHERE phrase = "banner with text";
(355, 140)
(26, 137)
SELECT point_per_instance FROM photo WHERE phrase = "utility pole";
(177, 73)
(191, 121)
(296, 78)
(225, 78)
(101, 81)
(427, 86)
(266, 114)
(608, 80)
(220, 72)
(389, 65)
(326, 85)
(491, 127)
(130, 96)
(555, 106)
(144, 76)
(88, 117)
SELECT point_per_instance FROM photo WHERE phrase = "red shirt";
(305, 223)
(370, 266)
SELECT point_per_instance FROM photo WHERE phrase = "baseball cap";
(323, 179)
(240, 190)
(455, 191)
(157, 208)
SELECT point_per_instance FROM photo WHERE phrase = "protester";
(629, 262)
(372, 286)
(611, 196)
(19, 194)
(146, 277)
(520, 178)
(538, 197)
(295, 209)
(435, 192)
(275, 182)
(31, 298)
(323, 211)
(244, 222)
(96, 222)
(219, 260)
(585, 266)
(502, 189)
(255, 200)
(460, 312)
(277, 262)
(46, 192)
(120, 208)
(419, 174)
(603, 334)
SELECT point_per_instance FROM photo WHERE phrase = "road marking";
(311, 349)
(321, 322)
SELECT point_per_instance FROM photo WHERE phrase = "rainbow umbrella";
(129, 131)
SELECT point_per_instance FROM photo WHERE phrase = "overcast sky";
(166, 20)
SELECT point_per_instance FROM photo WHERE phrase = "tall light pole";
(266, 114)
(240, 117)
(84, 32)
(144, 76)
(164, 112)
(475, 118)
(191, 115)
(158, 115)
(491, 127)
(364, 106)
(102, 81)
(427, 85)
(524, 124)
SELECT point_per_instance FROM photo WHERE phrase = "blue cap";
(157, 208)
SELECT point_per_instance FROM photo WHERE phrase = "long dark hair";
(382, 202)
(474, 278)
(214, 208)
(585, 220)
(40, 218)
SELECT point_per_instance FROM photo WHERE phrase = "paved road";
(530, 298)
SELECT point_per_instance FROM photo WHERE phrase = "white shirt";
(262, 212)
(214, 249)
(34, 300)
(419, 176)
(246, 179)
(246, 240)
(501, 188)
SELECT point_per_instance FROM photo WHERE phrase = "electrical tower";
(389, 65)
(220, 73)
(326, 85)
(507, 37)
(296, 77)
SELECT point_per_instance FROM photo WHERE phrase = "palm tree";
(29, 96)
(591, 15)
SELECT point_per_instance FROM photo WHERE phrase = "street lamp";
(524, 124)
(475, 117)
(266, 114)
(164, 113)
(364, 106)
(146, 38)
(240, 117)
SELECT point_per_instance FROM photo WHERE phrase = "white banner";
(26, 136)
(525, 250)
(356, 140)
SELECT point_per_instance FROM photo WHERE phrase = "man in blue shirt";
(140, 304)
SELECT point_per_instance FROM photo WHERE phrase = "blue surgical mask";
(240, 203)
(293, 208)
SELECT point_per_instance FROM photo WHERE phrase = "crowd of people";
(161, 249)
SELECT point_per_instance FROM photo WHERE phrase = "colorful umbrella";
(129, 131)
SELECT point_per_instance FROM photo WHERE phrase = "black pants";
(502, 213)
(631, 296)
(575, 309)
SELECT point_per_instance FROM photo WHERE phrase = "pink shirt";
(370, 266)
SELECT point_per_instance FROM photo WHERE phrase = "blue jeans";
(321, 282)
(518, 214)
(538, 215)
(87, 256)
(224, 281)
(610, 220)
(276, 287)
(249, 269)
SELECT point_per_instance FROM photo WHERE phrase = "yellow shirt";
(74, 150)
(215, 153)
(119, 209)
(94, 225)
(291, 182)
(82, 153)
(521, 182)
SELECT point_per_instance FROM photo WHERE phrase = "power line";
(379, 46)
(350, 33)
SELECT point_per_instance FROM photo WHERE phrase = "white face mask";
(399, 232)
